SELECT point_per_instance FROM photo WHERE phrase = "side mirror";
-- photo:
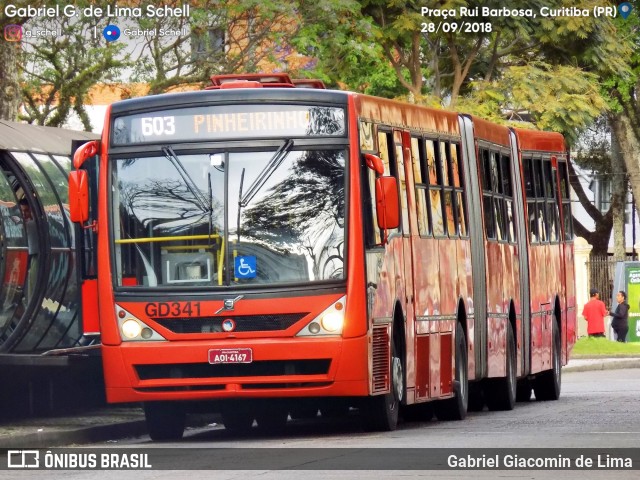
(387, 203)
(374, 163)
(79, 195)
(86, 151)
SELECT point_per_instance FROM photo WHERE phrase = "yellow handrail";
(166, 239)
(220, 259)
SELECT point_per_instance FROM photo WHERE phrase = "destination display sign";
(228, 122)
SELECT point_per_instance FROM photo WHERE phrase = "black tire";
(237, 419)
(523, 390)
(500, 393)
(381, 411)
(456, 408)
(165, 420)
(547, 385)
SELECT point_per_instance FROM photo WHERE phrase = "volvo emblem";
(228, 304)
(228, 325)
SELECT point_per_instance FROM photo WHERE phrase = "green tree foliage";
(10, 95)
(58, 71)
(622, 91)
(222, 36)
(547, 71)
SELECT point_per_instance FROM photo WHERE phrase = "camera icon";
(13, 33)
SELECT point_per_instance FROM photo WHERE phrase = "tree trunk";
(9, 80)
(626, 137)
(618, 199)
(599, 238)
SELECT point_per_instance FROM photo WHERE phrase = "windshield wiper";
(271, 166)
(240, 202)
(191, 185)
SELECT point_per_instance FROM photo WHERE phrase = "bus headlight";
(130, 328)
(332, 321)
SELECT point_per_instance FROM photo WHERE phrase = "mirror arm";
(93, 226)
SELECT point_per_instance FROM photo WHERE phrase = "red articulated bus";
(282, 250)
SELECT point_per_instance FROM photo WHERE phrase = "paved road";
(598, 409)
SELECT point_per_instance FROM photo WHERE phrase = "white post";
(581, 255)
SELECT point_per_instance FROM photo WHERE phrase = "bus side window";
(553, 210)
(373, 234)
(487, 197)
(385, 150)
(566, 201)
(507, 188)
(420, 175)
(435, 200)
(541, 211)
(402, 183)
(458, 183)
(448, 187)
(531, 198)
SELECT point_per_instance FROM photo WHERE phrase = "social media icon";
(111, 33)
(625, 9)
(13, 33)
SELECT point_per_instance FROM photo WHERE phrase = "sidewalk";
(583, 364)
(113, 423)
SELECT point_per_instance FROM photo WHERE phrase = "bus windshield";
(229, 218)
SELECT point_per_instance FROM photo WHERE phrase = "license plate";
(230, 355)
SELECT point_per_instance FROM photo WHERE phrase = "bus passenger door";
(402, 143)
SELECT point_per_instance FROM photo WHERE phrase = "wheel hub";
(398, 378)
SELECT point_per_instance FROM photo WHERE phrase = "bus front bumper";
(148, 371)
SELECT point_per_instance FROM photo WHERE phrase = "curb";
(608, 364)
(81, 435)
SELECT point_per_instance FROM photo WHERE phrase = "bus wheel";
(165, 420)
(547, 385)
(456, 408)
(500, 393)
(238, 418)
(381, 411)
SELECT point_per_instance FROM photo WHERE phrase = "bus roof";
(234, 95)
(540, 141)
(405, 114)
(491, 132)
(35, 138)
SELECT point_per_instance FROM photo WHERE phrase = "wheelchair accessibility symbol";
(245, 267)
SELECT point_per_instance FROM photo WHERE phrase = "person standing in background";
(620, 322)
(594, 312)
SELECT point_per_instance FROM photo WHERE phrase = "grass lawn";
(603, 347)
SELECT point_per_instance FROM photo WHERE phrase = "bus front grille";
(270, 368)
(243, 323)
